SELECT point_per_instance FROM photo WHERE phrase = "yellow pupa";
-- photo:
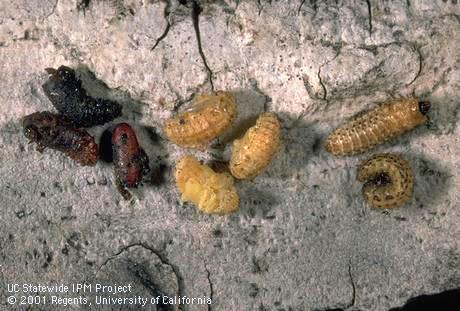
(208, 118)
(212, 192)
(254, 151)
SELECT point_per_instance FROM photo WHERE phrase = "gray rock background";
(303, 238)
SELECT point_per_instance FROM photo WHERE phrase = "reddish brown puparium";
(56, 132)
(130, 161)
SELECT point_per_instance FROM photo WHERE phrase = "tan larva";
(254, 151)
(212, 192)
(207, 119)
(377, 126)
(388, 178)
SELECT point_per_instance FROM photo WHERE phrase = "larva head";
(415, 106)
(424, 107)
(388, 180)
(381, 179)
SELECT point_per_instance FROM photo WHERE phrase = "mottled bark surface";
(303, 239)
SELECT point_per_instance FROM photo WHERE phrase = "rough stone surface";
(303, 239)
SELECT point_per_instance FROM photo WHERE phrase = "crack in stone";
(167, 12)
(300, 7)
(181, 102)
(369, 11)
(321, 82)
(163, 260)
(315, 7)
(441, 81)
(420, 64)
(260, 7)
(456, 16)
(140, 273)
(196, 11)
(211, 287)
(353, 297)
(83, 5)
(319, 74)
(52, 10)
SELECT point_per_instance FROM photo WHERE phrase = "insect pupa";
(377, 126)
(130, 160)
(207, 119)
(388, 180)
(67, 95)
(212, 192)
(253, 152)
(54, 131)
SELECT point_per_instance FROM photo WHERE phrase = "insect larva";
(212, 192)
(54, 131)
(388, 180)
(67, 95)
(209, 117)
(130, 161)
(254, 151)
(377, 126)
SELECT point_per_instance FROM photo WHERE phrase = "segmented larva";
(377, 126)
(209, 117)
(253, 152)
(213, 193)
(388, 178)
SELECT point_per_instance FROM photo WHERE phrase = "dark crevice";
(260, 7)
(211, 288)
(432, 302)
(300, 7)
(196, 11)
(322, 84)
(53, 9)
(181, 102)
(442, 81)
(369, 11)
(83, 5)
(168, 25)
(163, 260)
(353, 295)
(144, 277)
(353, 288)
(420, 64)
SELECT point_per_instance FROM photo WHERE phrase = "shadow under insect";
(250, 104)
(300, 142)
(132, 109)
(65, 90)
(256, 202)
(154, 146)
(297, 143)
(432, 181)
(148, 139)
